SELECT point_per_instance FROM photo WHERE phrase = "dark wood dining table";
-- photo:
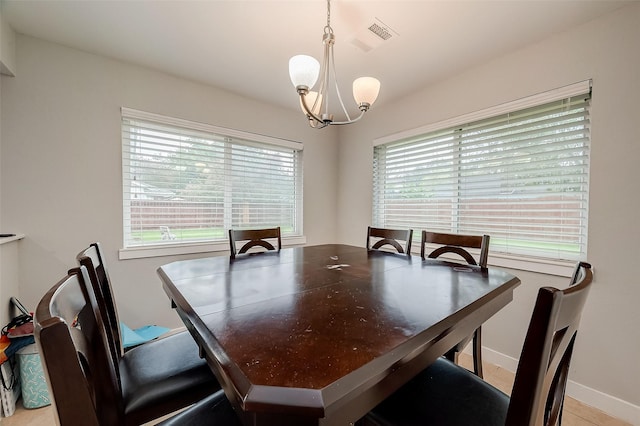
(319, 335)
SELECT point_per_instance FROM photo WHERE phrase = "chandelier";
(304, 71)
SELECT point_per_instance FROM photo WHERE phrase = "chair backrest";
(74, 350)
(538, 391)
(579, 271)
(93, 259)
(384, 236)
(254, 238)
(456, 243)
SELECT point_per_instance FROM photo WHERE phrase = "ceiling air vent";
(373, 36)
(381, 32)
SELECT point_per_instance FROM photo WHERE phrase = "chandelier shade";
(365, 90)
(305, 71)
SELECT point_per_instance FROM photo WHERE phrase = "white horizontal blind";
(521, 177)
(185, 183)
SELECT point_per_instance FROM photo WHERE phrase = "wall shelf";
(5, 240)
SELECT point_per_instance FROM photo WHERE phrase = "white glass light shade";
(310, 98)
(365, 90)
(303, 70)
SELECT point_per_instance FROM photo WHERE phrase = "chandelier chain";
(327, 28)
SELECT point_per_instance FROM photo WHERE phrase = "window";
(186, 182)
(521, 176)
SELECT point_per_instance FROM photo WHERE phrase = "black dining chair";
(164, 371)
(81, 372)
(215, 410)
(457, 244)
(254, 238)
(446, 394)
(380, 237)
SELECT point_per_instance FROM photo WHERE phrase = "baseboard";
(174, 331)
(611, 405)
(499, 359)
(616, 407)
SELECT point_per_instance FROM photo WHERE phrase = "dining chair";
(253, 238)
(79, 368)
(379, 237)
(167, 370)
(215, 410)
(457, 244)
(447, 394)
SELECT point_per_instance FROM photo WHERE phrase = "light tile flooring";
(575, 413)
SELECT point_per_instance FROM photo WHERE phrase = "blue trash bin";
(35, 393)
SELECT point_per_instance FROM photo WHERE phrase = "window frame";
(233, 136)
(515, 261)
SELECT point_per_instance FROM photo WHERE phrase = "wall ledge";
(5, 240)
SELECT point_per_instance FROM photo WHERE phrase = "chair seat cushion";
(443, 394)
(162, 376)
(214, 410)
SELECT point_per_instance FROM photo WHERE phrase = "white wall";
(61, 164)
(606, 50)
(3, 288)
(6, 33)
(7, 47)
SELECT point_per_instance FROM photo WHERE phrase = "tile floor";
(575, 414)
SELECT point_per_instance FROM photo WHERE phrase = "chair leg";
(477, 352)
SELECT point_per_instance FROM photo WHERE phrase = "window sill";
(177, 249)
(561, 268)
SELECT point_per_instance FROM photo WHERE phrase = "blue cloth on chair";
(140, 335)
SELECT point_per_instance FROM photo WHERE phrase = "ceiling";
(244, 46)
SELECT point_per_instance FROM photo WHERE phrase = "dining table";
(319, 335)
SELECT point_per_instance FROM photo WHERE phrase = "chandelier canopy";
(304, 72)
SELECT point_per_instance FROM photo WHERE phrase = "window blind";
(521, 177)
(189, 182)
